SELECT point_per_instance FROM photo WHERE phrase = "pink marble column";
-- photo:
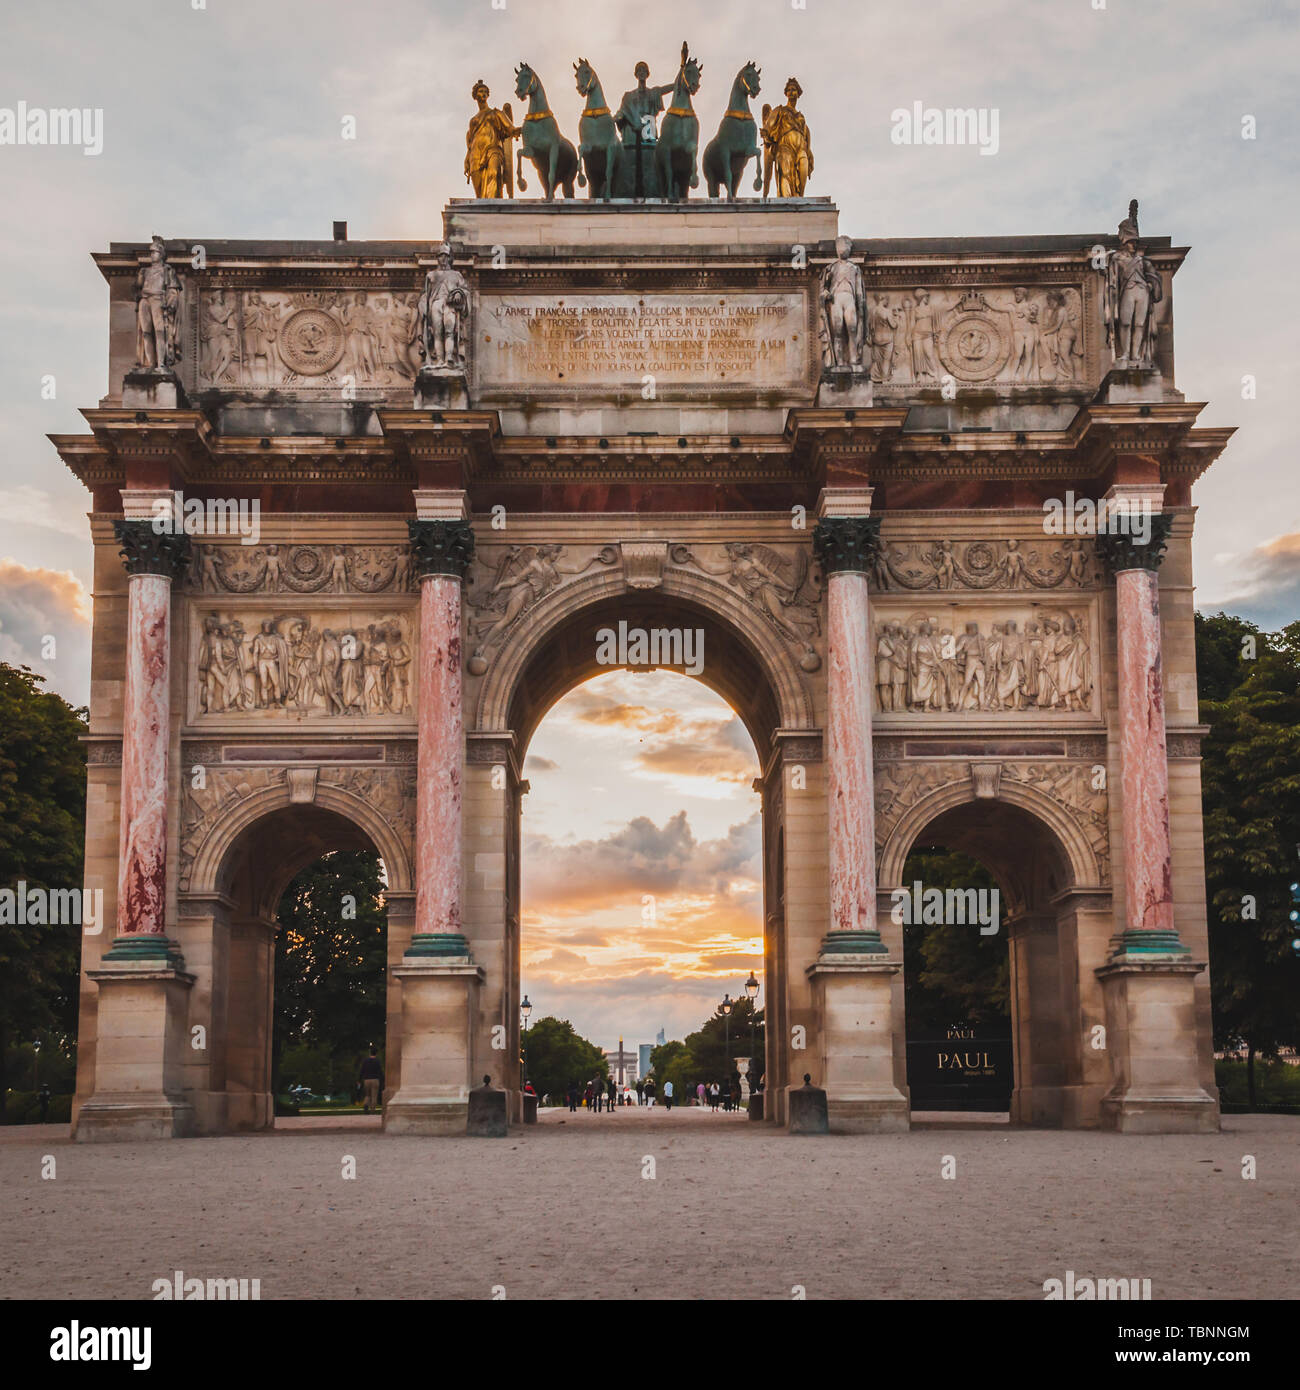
(1144, 787)
(152, 561)
(845, 546)
(442, 551)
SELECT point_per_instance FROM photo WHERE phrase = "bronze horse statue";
(679, 135)
(554, 157)
(736, 142)
(598, 142)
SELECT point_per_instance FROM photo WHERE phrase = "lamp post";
(725, 1009)
(525, 1008)
(36, 1063)
(751, 991)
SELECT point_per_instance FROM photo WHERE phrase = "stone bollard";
(487, 1112)
(756, 1105)
(808, 1109)
(530, 1109)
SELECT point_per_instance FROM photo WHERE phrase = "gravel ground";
(574, 1209)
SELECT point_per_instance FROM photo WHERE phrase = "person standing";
(611, 1090)
(640, 1091)
(668, 1095)
(699, 1095)
(372, 1076)
(587, 1096)
(573, 1097)
(651, 1086)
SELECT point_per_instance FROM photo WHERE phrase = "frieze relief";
(261, 339)
(301, 569)
(901, 785)
(1025, 336)
(785, 589)
(322, 664)
(950, 658)
(1070, 563)
(389, 791)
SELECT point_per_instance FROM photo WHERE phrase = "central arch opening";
(642, 896)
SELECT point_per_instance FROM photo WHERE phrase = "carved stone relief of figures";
(784, 588)
(502, 586)
(1072, 786)
(1022, 336)
(223, 789)
(952, 660)
(1011, 564)
(390, 791)
(318, 664)
(301, 569)
(273, 339)
(900, 785)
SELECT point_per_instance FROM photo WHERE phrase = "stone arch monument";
(360, 568)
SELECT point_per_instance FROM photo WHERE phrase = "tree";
(330, 960)
(42, 843)
(952, 974)
(1250, 787)
(558, 1057)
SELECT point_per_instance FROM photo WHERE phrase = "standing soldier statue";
(1131, 291)
(444, 308)
(787, 146)
(487, 146)
(844, 309)
(157, 312)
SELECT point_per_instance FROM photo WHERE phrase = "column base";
(154, 388)
(846, 386)
(439, 1002)
(853, 996)
(441, 388)
(141, 1027)
(1152, 1039)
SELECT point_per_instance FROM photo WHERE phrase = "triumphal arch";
(362, 509)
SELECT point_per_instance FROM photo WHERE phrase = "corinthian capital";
(1119, 550)
(441, 547)
(146, 550)
(847, 544)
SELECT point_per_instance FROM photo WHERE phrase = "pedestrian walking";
(699, 1095)
(651, 1086)
(640, 1091)
(372, 1077)
(611, 1090)
(573, 1096)
(713, 1096)
(668, 1095)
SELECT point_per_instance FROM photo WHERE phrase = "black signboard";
(964, 1068)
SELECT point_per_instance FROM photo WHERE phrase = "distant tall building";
(643, 1059)
(660, 1039)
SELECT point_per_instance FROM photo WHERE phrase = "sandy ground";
(573, 1208)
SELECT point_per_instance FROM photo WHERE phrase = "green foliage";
(709, 1054)
(42, 842)
(330, 968)
(558, 1057)
(1277, 1086)
(952, 974)
(24, 1108)
(1250, 778)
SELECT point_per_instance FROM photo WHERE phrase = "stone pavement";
(645, 1203)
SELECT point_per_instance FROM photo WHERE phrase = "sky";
(225, 118)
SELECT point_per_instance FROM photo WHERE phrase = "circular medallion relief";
(311, 342)
(974, 347)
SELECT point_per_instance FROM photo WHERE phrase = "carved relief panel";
(1004, 658)
(279, 664)
(326, 340)
(1023, 336)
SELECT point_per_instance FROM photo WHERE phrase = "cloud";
(45, 624)
(1270, 590)
(33, 506)
(535, 763)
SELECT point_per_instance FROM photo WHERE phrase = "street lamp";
(525, 1008)
(725, 1009)
(751, 990)
(36, 1059)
